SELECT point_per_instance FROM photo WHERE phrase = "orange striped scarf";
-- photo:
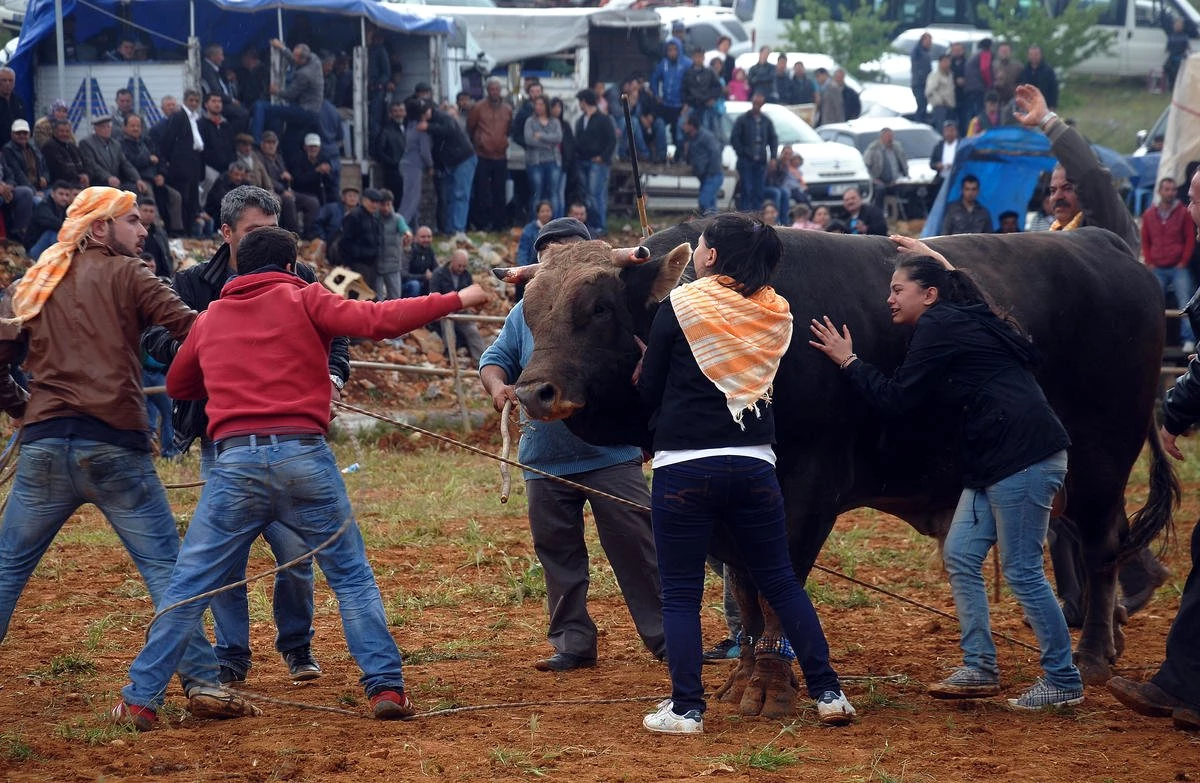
(737, 340)
(34, 289)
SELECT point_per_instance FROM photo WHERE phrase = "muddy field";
(464, 596)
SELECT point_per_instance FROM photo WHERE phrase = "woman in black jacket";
(964, 356)
(706, 377)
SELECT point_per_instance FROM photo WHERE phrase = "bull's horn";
(515, 274)
(630, 256)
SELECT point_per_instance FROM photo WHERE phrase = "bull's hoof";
(1093, 669)
(772, 690)
(735, 685)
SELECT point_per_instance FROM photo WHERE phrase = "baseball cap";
(560, 228)
(312, 140)
(20, 125)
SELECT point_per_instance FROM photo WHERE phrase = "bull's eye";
(600, 310)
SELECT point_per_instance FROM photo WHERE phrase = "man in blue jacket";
(704, 153)
(556, 510)
(666, 84)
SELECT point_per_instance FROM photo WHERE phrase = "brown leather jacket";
(489, 125)
(84, 355)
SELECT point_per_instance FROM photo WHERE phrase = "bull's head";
(585, 305)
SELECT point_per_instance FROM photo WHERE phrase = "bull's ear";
(670, 270)
(515, 274)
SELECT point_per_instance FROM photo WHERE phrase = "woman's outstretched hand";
(839, 347)
(911, 246)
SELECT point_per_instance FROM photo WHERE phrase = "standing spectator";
(1006, 74)
(379, 80)
(43, 129)
(724, 43)
(488, 125)
(831, 103)
(138, 149)
(420, 264)
(463, 104)
(1040, 75)
(803, 89)
(106, 164)
(543, 134)
(313, 174)
(332, 217)
(448, 278)
(701, 91)
(704, 155)
(595, 142)
(361, 243)
(568, 178)
(1009, 223)
(253, 77)
(390, 144)
(666, 86)
(921, 62)
(939, 91)
(754, 140)
(941, 159)
(396, 239)
(851, 103)
(12, 106)
(762, 75)
(48, 217)
(533, 91)
(739, 85)
(958, 67)
(783, 81)
(159, 249)
(220, 146)
(455, 161)
(967, 215)
(183, 149)
(861, 217)
(24, 162)
(417, 164)
(1168, 238)
(1178, 47)
(989, 118)
(977, 81)
(213, 82)
(302, 97)
(886, 163)
(63, 158)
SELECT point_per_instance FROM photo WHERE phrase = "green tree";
(860, 38)
(1067, 39)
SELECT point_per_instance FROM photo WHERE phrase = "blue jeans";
(595, 184)
(543, 186)
(292, 602)
(688, 500)
(273, 116)
(47, 239)
(710, 186)
(1179, 280)
(455, 195)
(248, 487)
(780, 197)
(158, 408)
(55, 476)
(645, 154)
(753, 177)
(1014, 514)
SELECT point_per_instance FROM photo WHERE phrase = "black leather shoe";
(564, 662)
(1145, 698)
(230, 676)
(301, 665)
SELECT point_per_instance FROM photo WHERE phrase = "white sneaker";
(1189, 346)
(834, 709)
(665, 721)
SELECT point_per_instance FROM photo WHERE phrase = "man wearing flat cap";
(105, 162)
(362, 237)
(556, 510)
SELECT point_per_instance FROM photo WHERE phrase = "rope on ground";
(185, 484)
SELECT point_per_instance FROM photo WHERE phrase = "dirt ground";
(83, 616)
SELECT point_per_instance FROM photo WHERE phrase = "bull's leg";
(1098, 646)
(746, 597)
(771, 691)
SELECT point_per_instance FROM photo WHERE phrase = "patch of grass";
(765, 758)
(524, 578)
(854, 598)
(1089, 100)
(347, 699)
(520, 760)
(93, 638)
(100, 731)
(68, 667)
(13, 747)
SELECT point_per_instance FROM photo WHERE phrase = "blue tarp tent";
(1008, 162)
(166, 24)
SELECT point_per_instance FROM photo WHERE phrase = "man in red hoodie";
(259, 354)
(1168, 238)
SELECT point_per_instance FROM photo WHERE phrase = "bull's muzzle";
(544, 401)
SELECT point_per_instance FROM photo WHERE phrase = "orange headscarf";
(39, 282)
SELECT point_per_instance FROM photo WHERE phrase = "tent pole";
(61, 49)
(279, 16)
(192, 18)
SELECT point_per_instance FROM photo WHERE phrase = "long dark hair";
(747, 250)
(955, 286)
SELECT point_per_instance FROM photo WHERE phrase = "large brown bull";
(1092, 310)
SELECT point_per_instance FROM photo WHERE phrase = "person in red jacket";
(259, 355)
(1168, 238)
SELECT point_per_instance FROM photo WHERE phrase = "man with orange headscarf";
(80, 311)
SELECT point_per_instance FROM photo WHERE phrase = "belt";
(225, 444)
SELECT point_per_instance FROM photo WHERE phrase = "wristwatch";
(338, 383)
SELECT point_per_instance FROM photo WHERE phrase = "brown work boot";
(218, 703)
(1186, 719)
(1144, 698)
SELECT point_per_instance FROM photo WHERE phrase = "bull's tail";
(1150, 520)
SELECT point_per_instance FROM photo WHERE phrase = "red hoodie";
(260, 353)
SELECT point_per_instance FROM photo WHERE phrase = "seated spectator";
(543, 213)
(397, 237)
(331, 216)
(453, 276)
(361, 241)
(837, 227)
(739, 85)
(293, 203)
(12, 107)
(800, 218)
(302, 97)
(141, 153)
(990, 117)
(234, 176)
(214, 81)
(43, 129)
(157, 246)
(650, 137)
(821, 217)
(123, 111)
(785, 182)
(578, 210)
(256, 172)
(106, 163)
(420, 264)
(967, 215)
(17, 203)
(313, 174)
(48, 217)
(126, 52)
(862, 218)
(63, 158)
(1010, 223)
(24, 161)
(253, 77)
(769, 214)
